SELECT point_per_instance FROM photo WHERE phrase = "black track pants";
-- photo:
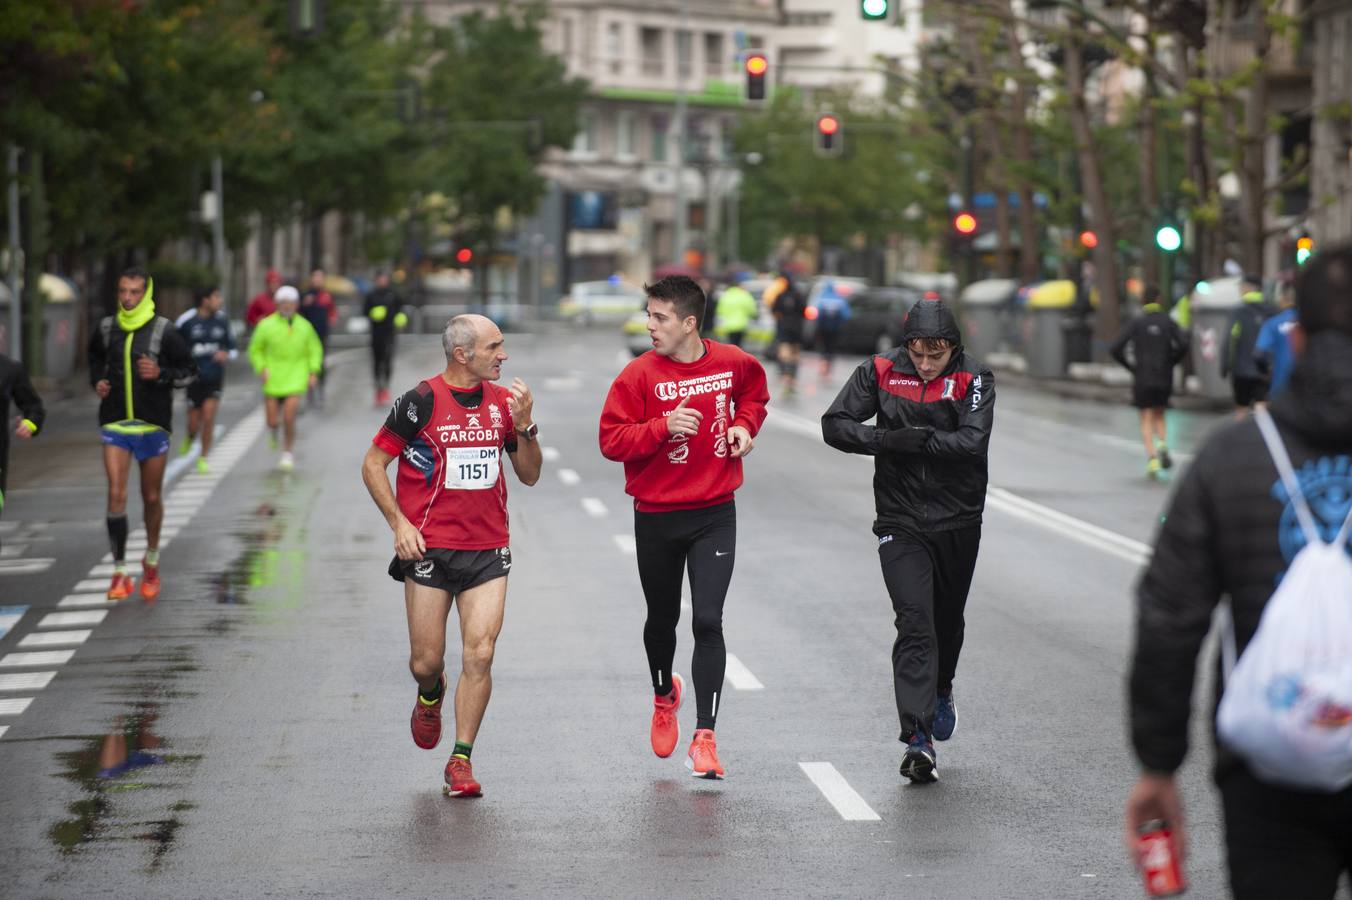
(928, 577)
(704, 541)
(1284, 843)
(382, 361)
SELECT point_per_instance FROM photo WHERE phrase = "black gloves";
(906, 440)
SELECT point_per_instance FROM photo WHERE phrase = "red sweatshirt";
(665, 472)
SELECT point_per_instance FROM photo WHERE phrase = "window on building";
(624, 135)
(714, 63)
(615, 48)
(566, 38)
(654, 53)
(659, 130)
(585, 140)
(755, 42)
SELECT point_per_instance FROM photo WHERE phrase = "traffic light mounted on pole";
(827, 135)
(756, 66)
(874, 10)
(1304, 249)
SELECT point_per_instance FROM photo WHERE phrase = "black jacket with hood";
(1228, 532)
(942, 487)
(133, 400)
(1157, 345)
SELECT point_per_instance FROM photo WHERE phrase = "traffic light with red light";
(1088, 239)
(464, 256)
(829, 139)
(756, 67)
(964, 223)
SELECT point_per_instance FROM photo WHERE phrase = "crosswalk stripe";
(26, 681)
(14, 705)
(9, 617)
(740, 676)
(837, 791)
(42, 658)
(67, 619)
(55, 638)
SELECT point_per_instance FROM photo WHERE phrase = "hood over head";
(931, 319)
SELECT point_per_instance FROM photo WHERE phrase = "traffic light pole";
(682, 46)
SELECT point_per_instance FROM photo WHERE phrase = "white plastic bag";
(1287, 705)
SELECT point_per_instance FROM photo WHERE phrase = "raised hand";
(683, 420)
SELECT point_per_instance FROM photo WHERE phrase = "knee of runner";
(150, 494)
(478, 655)
(707, 626)
(424, 667)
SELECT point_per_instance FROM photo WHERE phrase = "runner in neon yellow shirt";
(287, 355)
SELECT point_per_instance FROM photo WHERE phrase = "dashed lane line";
(594, 507)
(569, 477)
(550, 454)
(740, 677)
(39, 658)
(838, 793)
(67, 619)
(56, 638)
(625, 542)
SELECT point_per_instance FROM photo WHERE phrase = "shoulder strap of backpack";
(157, 336)
(1277, 450)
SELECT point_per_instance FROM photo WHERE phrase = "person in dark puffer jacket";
(934, 407)
(1228, 532)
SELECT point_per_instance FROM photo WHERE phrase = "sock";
(462, 750)
(153, 557)
(432, 695)
(117, 536)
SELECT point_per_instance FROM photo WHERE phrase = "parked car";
(876, 317)
(601, 301)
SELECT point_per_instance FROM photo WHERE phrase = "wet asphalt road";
(247, 734)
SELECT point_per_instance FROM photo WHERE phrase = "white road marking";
(90, 586)
(25, 566)
(594, 507)
(14, 706)
(102, 570)
(565, 383)
(43, 658)
(1079, 530)
(838, 792)
(791, 422)
(26, 681)
(625, 542)
(75, 601)
(740, 676)
(3, 729)
(550, 454)
(55, 638)
(569, 477)
(68, 619)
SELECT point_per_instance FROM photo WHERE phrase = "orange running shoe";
(150, 581)
(666, 730)
(703, 759)
(121, 587)
(460, 779)
(426, 720)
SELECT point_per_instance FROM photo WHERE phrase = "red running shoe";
(121, 587)
(703, 759)
(150, 581)
(460, 779)
(666, 730)
(426, 721)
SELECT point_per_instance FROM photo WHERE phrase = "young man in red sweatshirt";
(680, 418)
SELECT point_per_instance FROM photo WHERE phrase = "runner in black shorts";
(450, 523)
(1149, 347)
(207, 333)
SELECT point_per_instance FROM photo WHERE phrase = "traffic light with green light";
(874, 10)
(1168, 238)
(1304, 249)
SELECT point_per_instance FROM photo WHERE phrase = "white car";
(601, 301)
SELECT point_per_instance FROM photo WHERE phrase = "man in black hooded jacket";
(1229, 531)
(934, 406)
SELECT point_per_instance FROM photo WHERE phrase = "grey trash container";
(58, 349)
(985, 305)
(1048, 304)
(1211, 312)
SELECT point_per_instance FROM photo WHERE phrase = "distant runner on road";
(15, 386)
(681, 418)
(287, 355)
(212, 343)
(449, 518)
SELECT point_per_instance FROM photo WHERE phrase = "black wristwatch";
(530, 432)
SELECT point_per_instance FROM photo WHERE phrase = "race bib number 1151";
(472, 468)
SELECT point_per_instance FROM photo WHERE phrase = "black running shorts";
(1147, 397)
(203, 390)
(453, 571)
(1249, 391)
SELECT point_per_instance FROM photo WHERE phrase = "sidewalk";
(1108, 384)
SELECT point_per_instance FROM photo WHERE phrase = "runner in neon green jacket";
(287, 354)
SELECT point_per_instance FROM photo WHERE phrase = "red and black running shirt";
(450, 445)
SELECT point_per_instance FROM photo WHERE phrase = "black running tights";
(703, 541)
